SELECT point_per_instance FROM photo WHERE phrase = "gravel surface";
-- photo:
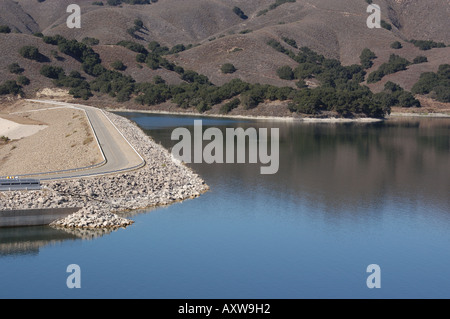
(66, 143)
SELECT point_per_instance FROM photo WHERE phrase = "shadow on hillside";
(42, 58)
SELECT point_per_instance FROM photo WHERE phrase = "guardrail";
(13, 184)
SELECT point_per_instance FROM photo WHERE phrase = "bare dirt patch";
(67, 142)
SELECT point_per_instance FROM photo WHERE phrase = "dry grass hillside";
(336, 29)
(9, 51)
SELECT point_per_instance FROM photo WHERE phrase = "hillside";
(217, 35)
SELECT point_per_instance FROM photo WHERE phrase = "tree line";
(340, 87)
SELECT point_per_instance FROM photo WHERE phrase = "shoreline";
(287, 119)
(252, 117)
(305, 120)
(162, 181)
(422, 115)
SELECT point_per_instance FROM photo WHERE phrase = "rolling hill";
(217, 35)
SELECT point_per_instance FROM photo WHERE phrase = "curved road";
(119, 155)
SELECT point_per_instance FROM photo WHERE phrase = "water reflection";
(346, 196)
(336, 171)
(342, 168)
(19, 241)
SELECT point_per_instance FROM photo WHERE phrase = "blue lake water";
(346, 196)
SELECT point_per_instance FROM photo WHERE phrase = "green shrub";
(202, 107)
(228, 68)
(427, 44)
(90, 41)
(228, 107)
(158, 80)
(5, 29)
(395, 64)
(240, 13)
(366, 58)
(285, 73)
(301, 84)
(442, 93)
(177, 48)
(52, 72)
(139, 24)
(15, 68)
(133, 46)
(437, 84)
(30, 52)
(113, 2)
(118, 65)
(291, 42)
(140, 57)
(386, 25)
(23, 80)
(394, 95)
(396, 45)
(420, 59)
(10, 87)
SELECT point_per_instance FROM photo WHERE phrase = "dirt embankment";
(429, 107)
(59, 139)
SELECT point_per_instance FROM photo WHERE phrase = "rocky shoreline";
(292, 118)
(162, 181)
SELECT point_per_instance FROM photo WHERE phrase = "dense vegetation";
(30, 52)
(393, 95)
(366, 58)
(395, 64)
(340, 89)
(420, 59)
(228, 107)
(80, 51)
(10, 87)
(427, 44)
(436, 84)
(291, 42)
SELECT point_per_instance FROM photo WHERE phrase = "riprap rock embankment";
(162, 181)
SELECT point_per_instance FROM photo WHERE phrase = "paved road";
(118, 153)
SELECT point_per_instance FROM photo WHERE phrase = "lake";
(346, 196)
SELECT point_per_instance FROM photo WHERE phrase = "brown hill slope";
(196, 20)
(14, 15)
(9, 51)
(336, 29)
